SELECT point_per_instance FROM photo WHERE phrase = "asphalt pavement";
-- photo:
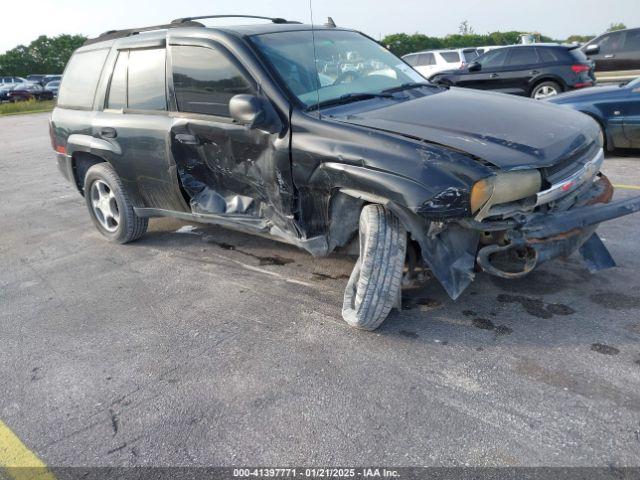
(201, 346)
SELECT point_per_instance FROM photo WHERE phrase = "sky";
(377, 18)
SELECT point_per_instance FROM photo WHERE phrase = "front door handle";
(610, 56)
(186, 139)
(108, 132)
(494, 75)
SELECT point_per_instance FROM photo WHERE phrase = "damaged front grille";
(569, 165)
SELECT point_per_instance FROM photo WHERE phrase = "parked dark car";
(616, 54)
(539, 71)
(234, 126)
(36, 78)
(616, 109)
(29, 91)
(53, 87)
(51, 78)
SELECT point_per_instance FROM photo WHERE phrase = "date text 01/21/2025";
(314, 473)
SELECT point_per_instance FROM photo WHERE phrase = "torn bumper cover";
(526, 240)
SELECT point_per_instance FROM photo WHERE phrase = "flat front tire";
(109, 206)
(374, 286)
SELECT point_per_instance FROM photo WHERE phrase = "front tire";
(546, 90)
(374, 285)
(109, 206)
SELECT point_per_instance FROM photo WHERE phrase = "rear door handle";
(494, 75)
(534, 72)
(187, 139)
(108, 132)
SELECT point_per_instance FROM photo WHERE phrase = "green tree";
(401, 43)
(43, 55)
(616, 26)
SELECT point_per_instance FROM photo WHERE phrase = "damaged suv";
(322, 138)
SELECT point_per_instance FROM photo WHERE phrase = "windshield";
(347, 63)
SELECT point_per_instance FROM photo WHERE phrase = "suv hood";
(509, 132)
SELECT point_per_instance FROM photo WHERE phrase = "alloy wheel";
(545, 91)
(105, 206)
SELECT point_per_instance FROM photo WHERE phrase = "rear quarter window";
(451, 57)
(578, 56)
(548, 55)
(411, 60)
(81, 78)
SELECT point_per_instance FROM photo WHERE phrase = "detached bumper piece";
(539, 237)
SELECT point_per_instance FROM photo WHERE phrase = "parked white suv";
(430, 62)
(10, 81)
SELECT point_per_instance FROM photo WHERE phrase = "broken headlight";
(503, 188)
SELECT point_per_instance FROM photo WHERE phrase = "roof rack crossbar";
(190, 19)
(179, 22)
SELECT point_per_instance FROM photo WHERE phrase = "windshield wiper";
(348, 98)
(409, 86)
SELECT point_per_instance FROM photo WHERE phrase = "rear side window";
(523, 56)
(451, 57)
(146, 79)
(204, 80)
(426, 59)
(632, 42)
(118, 89)
(81, 79)
(470, 55)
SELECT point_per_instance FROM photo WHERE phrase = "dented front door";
(224, 168)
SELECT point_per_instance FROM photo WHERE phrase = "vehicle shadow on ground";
(554, 305)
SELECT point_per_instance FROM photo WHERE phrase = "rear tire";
(546, 90)
(109, 205)
(374, 286)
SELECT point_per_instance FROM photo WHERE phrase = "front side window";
(146, 80)
(611, 43)
(205, 80)
(494, 58)
(81, 79)
(345, 63)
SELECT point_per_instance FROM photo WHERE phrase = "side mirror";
(255, 113)
(474, 67)
(592, 49)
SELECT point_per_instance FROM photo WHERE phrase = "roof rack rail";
(190, 19)
(113, 34)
